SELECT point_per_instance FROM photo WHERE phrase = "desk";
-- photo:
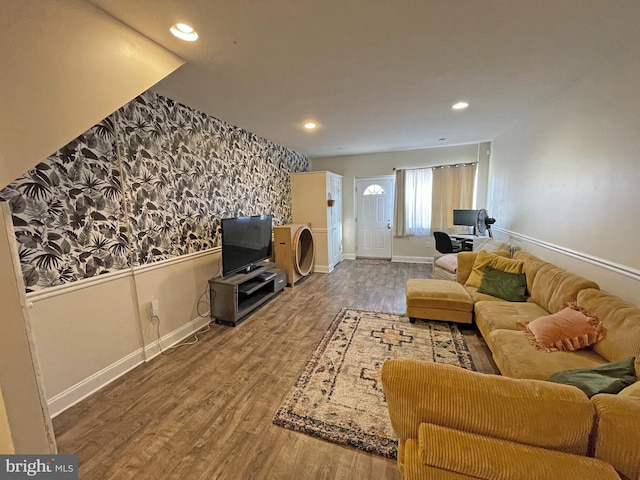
(468, 241)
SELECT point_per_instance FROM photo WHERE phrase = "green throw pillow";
(608, 378)
(508, 286)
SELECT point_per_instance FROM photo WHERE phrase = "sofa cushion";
(569, 329)
(479, 456)
(617, 435)
(516, 358)
(490, 405)
(481, 297)
(498, 260)
(553, 287)
(621, 319)
(531, 266)
(508, 286)
(632, 391)
(608, 378)
(465, 263)
(492, 316)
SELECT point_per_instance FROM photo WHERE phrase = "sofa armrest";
(616, 437)
(488, 458)
(532, 412)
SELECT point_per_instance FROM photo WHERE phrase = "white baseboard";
(83, 389)
(401, 259)
(95, 382)
(396, 258)
(323, 268)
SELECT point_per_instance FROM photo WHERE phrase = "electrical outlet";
(154, 308)
(429, 244)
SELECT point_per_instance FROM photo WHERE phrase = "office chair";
(444, 243)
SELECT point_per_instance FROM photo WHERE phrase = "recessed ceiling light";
(460, 105)
(310, 125)
(184, 32)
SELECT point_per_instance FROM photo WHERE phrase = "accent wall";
(127, 213)
(149, 183)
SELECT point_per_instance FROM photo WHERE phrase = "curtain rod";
(436, 166)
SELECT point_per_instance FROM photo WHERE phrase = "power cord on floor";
(172, 349)
(202, 299)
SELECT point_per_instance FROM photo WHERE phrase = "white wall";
(90, 332)
(377, 164)
(29, 425)
(65, 66)
(566, 181)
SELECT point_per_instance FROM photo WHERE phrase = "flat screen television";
(246, 242)
(466, 217)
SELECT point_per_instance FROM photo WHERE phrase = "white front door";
(374, 216)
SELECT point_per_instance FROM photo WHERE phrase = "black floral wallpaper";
(150, 182)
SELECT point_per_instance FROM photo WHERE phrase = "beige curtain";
(399, 220)
(453, 188)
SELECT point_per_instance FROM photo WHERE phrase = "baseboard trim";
(81, 390)
(404, 259)
(349, 256)
(323, 268)
(600, 262)
(87, 387)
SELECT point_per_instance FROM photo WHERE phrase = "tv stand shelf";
(235, 297)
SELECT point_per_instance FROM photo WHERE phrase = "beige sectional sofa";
(453, 423)
(550, 288)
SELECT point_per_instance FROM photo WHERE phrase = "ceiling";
(379, 75)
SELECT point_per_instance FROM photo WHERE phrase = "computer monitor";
(466, 217)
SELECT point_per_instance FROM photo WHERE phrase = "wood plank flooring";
(206, 410)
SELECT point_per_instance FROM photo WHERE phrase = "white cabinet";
(316, 198)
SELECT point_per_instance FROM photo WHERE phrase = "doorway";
(374, 216)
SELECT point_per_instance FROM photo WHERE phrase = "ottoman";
(438, 300)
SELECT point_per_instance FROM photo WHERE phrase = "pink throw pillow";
(569, 329)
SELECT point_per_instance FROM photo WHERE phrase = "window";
(417, 201)
(426, 197)
(374, 190)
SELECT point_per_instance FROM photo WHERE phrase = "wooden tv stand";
(233, 298)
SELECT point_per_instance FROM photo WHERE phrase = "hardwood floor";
(206, 410)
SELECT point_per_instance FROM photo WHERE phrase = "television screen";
(465, 217)
(246, 241)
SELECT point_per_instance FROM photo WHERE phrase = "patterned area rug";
(339, 397)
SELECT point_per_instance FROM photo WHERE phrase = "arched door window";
(374, 189)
